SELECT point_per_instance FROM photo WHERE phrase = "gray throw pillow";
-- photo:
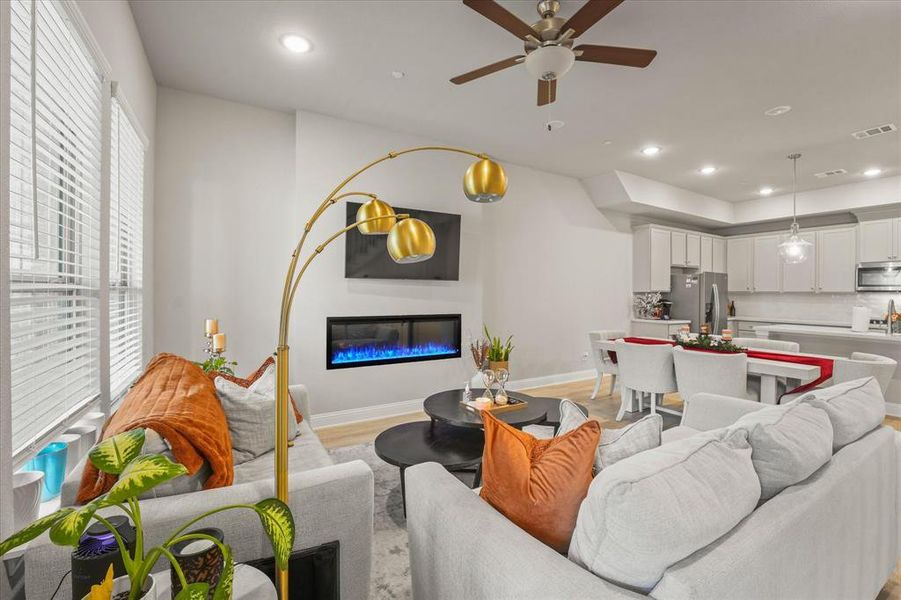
(854, 408)
(651, 510)
(788, 443)
(615, 444)
(250, 413)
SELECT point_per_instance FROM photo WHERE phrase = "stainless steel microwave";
(879, 276)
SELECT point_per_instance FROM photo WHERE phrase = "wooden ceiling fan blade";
(547, 91)
(615, 55)
(501, 16)
(590, 13)
(487, 69)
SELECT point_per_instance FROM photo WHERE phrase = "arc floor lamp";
(409, 240)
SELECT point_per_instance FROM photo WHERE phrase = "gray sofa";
(834, 535)
(330, 503)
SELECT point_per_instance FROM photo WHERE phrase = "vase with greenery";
(498, 351)
(217, 363)
(139, 473)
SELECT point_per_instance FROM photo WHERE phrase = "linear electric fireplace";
(364, 341)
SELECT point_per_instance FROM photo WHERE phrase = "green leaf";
(33, 530)
(143, 474)
(278, 522)
(194, 591)
(224, 587)
(67, 531)
(113, 454)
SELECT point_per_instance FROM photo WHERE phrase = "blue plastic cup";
(52, 462)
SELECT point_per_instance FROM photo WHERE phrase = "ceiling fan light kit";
(549, 43)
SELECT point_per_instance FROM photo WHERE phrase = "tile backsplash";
(816, 307)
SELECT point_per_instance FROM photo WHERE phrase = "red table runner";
(825, 364)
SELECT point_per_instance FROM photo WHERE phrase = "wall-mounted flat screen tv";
(366, 256)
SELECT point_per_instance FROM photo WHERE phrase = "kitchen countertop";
(837, 332)
(668, 321)
(792, 321)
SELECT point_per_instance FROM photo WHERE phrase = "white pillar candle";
(211, 326)
(219, 342)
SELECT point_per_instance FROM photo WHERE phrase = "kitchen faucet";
(890, 318)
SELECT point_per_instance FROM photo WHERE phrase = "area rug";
(390, 552)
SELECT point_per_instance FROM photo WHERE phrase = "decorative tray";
(496, 408)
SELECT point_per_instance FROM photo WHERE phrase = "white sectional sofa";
(834, 535)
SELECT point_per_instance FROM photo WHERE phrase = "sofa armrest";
(461, 547)
(301, 396)
(331, 503)
(710, 411)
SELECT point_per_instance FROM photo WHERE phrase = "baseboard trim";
(893, 409)
(393, 409)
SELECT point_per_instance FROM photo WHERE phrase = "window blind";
(126, 249)
(54, 220)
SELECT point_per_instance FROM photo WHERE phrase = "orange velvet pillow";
(538, 484)
(248, 381)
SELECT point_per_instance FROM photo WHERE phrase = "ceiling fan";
(549, 51)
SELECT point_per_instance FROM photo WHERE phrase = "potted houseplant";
(498, 352)
(138, 473)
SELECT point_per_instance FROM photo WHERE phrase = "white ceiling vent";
(878, 130)
(831, 173)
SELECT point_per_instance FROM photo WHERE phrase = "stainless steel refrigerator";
(700, 297)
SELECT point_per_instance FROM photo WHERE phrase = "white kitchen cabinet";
(802, 277)
(692, 250)
(706, 253)
(719, 255)
(836, 267)
(879, 240)
(739, 264)
(767, 264)
(678, 249)
(651, 250)
(656, 328)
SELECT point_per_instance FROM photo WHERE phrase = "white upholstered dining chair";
(644, 369)
(712, 372)
(603, 364)
(857, 366)
(767, 344)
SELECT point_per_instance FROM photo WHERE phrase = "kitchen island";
(842, 341)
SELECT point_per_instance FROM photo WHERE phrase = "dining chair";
(767, 344)
(603, 364)
(712, 372)
(645, 369)
(862, 364)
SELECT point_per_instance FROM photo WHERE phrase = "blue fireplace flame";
(372, 352)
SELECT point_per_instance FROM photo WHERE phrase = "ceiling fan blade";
(487, 70)
(615, 55)
(547, 91)
(590, 13)
(495, 12)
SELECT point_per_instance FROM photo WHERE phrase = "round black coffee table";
(445, 407)
(410, 444)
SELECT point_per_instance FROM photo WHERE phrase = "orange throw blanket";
(177, 400)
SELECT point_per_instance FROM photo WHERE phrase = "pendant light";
(795, 249)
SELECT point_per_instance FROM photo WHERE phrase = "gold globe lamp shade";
(485, 181)
(372, 209)
(411, 241)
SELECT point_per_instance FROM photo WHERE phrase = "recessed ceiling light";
(651, 150)
(398, 74)
(873, 172)
(554, 125)
(296, 43)
(607, 142)
(777, 110)
(707, 170)
(765, 191)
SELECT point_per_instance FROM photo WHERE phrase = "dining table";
(769, 372)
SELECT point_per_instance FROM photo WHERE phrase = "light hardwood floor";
(603, 409)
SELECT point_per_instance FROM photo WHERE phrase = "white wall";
(225, 220)
(235, 184)
(113, 27)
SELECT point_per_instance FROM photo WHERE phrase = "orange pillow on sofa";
(538, 484)
(248, 381)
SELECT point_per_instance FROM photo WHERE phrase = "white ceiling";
(720, 64)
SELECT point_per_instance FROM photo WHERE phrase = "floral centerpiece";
(706, 342)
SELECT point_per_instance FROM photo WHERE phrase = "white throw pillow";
(615, 444)
(788, 443)
(651, 510)
(854, 407)
(250, 413)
